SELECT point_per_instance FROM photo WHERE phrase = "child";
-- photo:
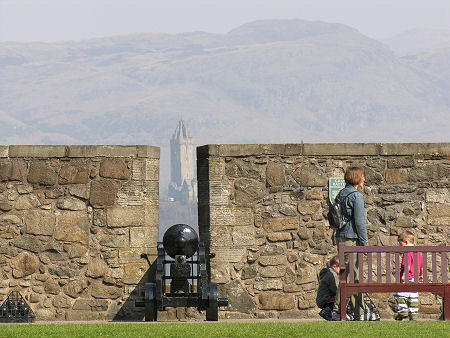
(408, 302)
(328, 285)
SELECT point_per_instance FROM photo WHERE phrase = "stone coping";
(325, 149)
(76, 151)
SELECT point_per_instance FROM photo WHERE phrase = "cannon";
(185, 268)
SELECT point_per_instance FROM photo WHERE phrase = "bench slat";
(444, 267)
(425, 267)
(388, 267)
(379, 267)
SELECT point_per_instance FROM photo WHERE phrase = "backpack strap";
(342, 201)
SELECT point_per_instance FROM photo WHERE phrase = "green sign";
(334, 186)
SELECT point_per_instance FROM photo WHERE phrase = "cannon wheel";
(151, 312)
(212, 311)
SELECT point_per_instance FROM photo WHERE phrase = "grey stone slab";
(40, 151)
(102, 151)
(415, 149)
(4, 151)
(148, 151)
(351, 149)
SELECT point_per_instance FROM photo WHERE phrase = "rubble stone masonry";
(262, 211)
(73, 223)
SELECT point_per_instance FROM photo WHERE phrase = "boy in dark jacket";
(328, 285)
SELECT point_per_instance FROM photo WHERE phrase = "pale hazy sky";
(55, 20)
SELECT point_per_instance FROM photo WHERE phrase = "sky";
(62, 20)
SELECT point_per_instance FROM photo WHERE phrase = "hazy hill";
(266, 81)
(419, 40)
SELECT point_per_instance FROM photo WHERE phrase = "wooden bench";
(386, 276)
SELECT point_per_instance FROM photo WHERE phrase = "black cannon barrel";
(180, 239)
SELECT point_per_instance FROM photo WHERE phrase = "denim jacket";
(355, 207)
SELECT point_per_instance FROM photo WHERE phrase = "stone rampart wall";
(262, 212)
(73, 223)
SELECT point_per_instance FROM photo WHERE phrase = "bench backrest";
(388, 263)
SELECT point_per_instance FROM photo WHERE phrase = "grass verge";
(232, 329)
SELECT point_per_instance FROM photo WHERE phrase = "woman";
(354, 233)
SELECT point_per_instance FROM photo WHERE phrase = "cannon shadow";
(128, 311)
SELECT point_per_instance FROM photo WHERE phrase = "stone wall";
(73, 223)
(262, 212)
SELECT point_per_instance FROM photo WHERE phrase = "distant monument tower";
(183, 183)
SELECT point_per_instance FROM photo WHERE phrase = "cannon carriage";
(182, 261)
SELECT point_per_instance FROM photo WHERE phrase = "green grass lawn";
(232, 329)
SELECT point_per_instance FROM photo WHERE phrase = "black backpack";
(336, 216)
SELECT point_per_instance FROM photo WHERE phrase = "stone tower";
(183, 183)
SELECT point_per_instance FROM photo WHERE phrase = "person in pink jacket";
(407, 303)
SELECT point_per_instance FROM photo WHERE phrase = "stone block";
(306, 275)
(345, 149)
(272, 250)
(134, 272)
(143, 237)
(70, 203)
(133, 255)
(268, 284)
(396, 176)
(399, 149)
(24, 265)
(231, 255)
(248, 191)
(243, 236)
(103, 193)
(119, 216)
(29, 243)
(239, 168)
(438, 214)
(70, 174)
(275, 174)
(51, 287)
(221, 237)
(238, 297)
(279, 236)
(25, 202)
(428, 173)
(96, 268)
(82, 315)
(40, 222)
(230, 216)
(4, 151)
(72, 226)
(74, 289)
(217, 193)
(307, 301)
(280, 224)
(310, 176)
(41, 151)
(309, 208)
(437, 196)
(148, 151)
(14, 170)
(404, 222)
(272, 260)
(277, 271)
(101, 151)
(114, 168)
(136, 193)
(211, 169)
(43, 173)
(145, 170)
(79, 190)
(276, 301)
(24, 188)
(220, 272)
(115, 241)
